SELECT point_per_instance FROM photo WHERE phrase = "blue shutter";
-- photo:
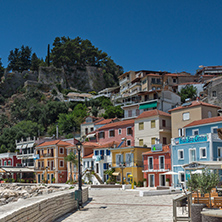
(96, 153)
(107, 152)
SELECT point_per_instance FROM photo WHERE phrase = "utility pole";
(48, 55)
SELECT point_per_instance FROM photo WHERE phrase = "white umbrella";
(171, 173)
(197, 171)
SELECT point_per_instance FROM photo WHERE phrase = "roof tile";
(154, 112)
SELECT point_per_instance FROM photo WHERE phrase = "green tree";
(193, 184)
(207, 181)
(73, 160)
(20, 59)
(114, 111)
(189, 91)
(2, 69)
(35, 61)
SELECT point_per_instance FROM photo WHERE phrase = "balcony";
(47, 155)
(135, 84)
(124, 89)
(157, 168)
(123, 81)
(165, 129)
(25, 156)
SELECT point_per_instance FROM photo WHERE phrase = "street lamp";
(46, 170)
(79, 147)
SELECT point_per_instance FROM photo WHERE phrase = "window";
(96, 152)
(61, 150)
(209, 114)
(140, 142)
(164, 140)
(219, 151)
(120, 131)
(101, 135)
(214, 94)
(181, 177)
(87, 164)
(163, 123)
(128, 142)
(43, 164)
(105, 166)
(61, 163)
(153, 124)
(130, 113)
(129, 131)
(150, 163)
(203, 153)
(91, 129)
(174, 80)
(38, 164)
(214, 129)
(42, 176)
(137, 112)
(186, 116)
(9, 162)
(195, 132)
(153, 141)
(153, 80)
(141, 126)
(129, 159)
(107, 152)
(48, 163)
(48, 176)
(119, 159)
(180, 155)
(86, 131)
(144, 81)
(161, 162)
(111, 133)
(192, 153)
(153, 88)
(102, 154)
(179, 132)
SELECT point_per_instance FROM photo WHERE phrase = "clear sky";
(170, 35)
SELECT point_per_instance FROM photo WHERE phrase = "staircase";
(94, 174)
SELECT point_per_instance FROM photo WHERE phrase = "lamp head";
(79, 146)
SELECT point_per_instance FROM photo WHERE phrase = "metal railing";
(157, 167)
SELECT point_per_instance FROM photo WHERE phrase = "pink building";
(116, 131)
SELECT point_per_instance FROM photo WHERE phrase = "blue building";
(200, 144)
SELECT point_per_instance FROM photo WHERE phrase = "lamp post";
(46, 170)
(122, 167)
(79, 147)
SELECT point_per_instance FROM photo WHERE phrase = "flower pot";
(196, 212)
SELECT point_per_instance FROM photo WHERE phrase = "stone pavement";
(111, 205)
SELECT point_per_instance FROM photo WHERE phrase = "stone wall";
(43, 208)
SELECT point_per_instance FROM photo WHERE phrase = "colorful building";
(128, 161)
(189, 112)
(156, 163)
(200, 144)
(51, 163)
(152, 127)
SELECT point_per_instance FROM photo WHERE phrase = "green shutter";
(148, 105)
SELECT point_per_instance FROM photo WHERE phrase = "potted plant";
(167, 182)
(144, 182)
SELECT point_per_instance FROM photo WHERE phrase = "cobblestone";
(119, 205)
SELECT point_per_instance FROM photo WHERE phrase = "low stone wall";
(44, 208)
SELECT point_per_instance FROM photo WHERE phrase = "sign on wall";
(156, 147)
(191, 139)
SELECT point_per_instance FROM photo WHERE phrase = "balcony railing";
(122, 81)
(159, 167)
(47, 155)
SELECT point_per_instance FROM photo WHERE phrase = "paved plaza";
(123, 205)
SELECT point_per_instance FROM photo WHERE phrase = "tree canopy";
(189, 91)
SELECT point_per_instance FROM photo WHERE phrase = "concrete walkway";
(121, 205)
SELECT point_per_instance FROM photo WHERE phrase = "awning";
(17, 170)
(115, 174)
(90, 135)
(19, 147)
(148, 105)
(2, 171)
(30, 145)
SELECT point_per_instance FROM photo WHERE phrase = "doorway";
(162, 180)
(151, 180)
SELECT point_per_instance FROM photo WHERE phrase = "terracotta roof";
(193, 104)
(88, 156)
(95, 119)
(205, 121)
(115, 124)
(149, 92)
(55, 142)
(111, 145)
(154, 112)
(105, 121)
(92, 144)
(123, 74)
(166, 148)
(177, 74)
(190, 83)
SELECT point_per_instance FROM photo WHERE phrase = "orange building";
(51, 165)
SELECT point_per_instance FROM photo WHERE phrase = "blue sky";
(168, 35)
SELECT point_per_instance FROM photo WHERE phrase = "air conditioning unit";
(219, 159)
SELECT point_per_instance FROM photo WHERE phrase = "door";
(38, 178)
(162, 180)
(151, 180)
(97, 168)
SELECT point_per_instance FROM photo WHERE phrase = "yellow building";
(51, 166)
(127, 161)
